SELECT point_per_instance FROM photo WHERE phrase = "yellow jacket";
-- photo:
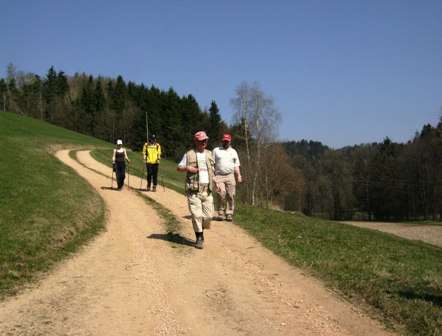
(152, 153)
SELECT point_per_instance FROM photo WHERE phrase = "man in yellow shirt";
(152, 156)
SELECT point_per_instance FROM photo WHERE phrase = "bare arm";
(238, 174)
(125, 155)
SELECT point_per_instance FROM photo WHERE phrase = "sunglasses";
(202, 141)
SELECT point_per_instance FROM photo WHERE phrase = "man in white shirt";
(200, 178)
(226, 167)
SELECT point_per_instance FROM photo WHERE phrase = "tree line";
(378, 181)
(110, 109)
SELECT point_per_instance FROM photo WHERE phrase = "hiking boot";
(199, 240)
(199, 243)
(154, 188)
(219, 218)
(229, 218)
(148, 189)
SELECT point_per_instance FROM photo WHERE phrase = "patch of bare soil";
(132, 281)
(431, 234)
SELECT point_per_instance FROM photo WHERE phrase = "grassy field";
(394, 279)
(42, 221)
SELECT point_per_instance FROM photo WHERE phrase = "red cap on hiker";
(227, 137)
(201, 135)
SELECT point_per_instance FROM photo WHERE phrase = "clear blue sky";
(342, 72)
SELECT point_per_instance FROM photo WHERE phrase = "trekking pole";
(162, 180)
(142, 176)
(113, 170)
(128, 177)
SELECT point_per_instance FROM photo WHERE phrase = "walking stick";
(128, 177)
(113, 170)
(162, 180)
(142, 176)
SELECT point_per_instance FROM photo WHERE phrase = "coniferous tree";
(3, 92)
(216, 126)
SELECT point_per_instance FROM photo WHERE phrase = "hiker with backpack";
(119, 158)
(152, 157)
(200, 182)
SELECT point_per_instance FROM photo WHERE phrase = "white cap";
(119, 142)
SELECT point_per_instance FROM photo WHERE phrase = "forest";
(378, 181)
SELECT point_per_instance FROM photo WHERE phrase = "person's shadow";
(108, 188)
(172, 237)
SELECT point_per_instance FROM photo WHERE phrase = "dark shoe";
(199, 240)
(218, 218)
(229, 218)
(148, 189)
(154, 188)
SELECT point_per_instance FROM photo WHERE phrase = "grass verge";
(41, 221)
(396, 279)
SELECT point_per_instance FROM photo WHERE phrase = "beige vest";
(192, 179)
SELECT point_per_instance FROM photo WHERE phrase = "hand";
(239, 178)
(218, 187)
(191, 169)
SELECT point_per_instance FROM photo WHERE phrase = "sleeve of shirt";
(237, 163)
(183, 161)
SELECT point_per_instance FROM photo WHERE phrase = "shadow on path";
(109, 188)
(173, 237)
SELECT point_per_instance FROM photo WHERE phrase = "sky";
(342, 72)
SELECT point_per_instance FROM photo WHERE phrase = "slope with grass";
(46, 210)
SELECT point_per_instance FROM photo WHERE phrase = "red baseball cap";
(227, 137)
(201, 135)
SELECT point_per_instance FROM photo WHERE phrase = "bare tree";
(260, 120)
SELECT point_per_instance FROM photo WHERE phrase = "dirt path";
(131, 281)
(430, 234)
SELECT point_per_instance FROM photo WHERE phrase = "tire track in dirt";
(131, 281)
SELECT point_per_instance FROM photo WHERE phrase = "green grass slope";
(46, 209)
(396, 280)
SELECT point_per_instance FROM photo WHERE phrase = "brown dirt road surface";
(430, 234)
(131, 281)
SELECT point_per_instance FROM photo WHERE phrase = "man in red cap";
(226, 167)
(199, 166)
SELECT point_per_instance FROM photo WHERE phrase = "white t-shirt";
(225, 160)
(203, 170)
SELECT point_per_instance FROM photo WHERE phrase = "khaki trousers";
(201, 207)
(226, 196)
